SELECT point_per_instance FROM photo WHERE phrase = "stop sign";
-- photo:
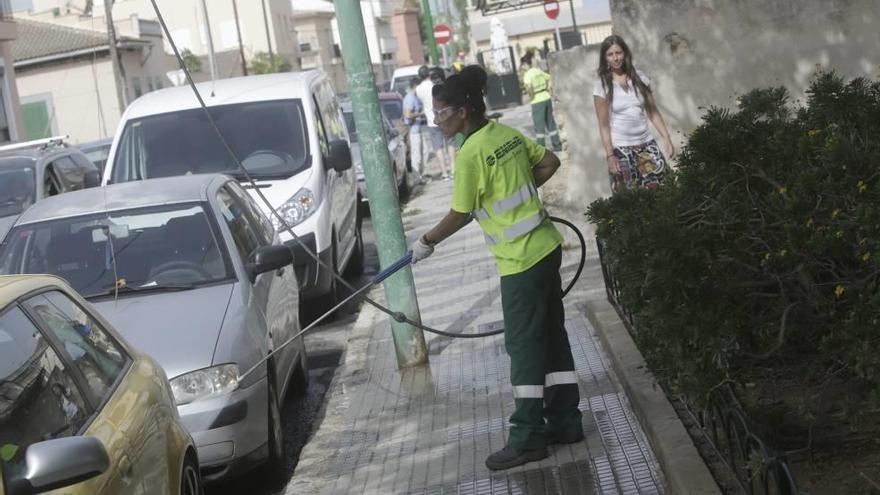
(442, 33)
(551, 8)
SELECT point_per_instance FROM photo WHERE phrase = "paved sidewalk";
(429, 430)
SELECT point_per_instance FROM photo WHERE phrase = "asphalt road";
(324, 345)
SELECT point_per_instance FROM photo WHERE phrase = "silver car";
(191, 272)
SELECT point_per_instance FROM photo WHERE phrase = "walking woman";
(497, 175)
(624, 105)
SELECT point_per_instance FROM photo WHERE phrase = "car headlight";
(296, 209)
(204, 383)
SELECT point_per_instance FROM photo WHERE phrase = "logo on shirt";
(502, 150)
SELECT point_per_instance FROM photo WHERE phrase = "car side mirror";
(340, 155)
(58, 463)
(92, 178)
(268, 258)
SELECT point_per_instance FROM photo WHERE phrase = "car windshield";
(268, 137)
(170, 246)
(17, 187)
(401, 84)
(393, 109)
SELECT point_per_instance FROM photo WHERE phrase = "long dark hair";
(465, 90)
(628, 68)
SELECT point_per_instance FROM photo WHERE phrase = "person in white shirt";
(624, 105)
(434, 134)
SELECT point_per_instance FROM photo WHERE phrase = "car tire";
(356, 262)
(276, 463)
(190, 478)
(331, 298)
(403, 187)
(300, 383)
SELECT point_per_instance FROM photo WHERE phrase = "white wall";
(79, 111)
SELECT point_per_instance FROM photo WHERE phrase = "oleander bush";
(758, 260)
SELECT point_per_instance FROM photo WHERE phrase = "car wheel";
(190, 479)
(331, 298)
(403, 186)
(276, 464)
(356, 263)
(300, 384)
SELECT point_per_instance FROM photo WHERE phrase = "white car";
(289, 133)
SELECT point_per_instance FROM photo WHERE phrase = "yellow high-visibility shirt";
(539, 81)
(494, 181)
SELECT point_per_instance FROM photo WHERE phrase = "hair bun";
(475, 77)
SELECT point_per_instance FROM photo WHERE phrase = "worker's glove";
(421, 250)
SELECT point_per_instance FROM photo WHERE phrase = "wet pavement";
(428, 430)
(325, 346)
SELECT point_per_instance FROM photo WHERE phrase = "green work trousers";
(541, 367)
(545, 124)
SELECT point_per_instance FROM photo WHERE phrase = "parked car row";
(175, 282)
(397, 151)
(36, 170)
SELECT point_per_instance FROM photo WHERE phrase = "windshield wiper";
(153, 287)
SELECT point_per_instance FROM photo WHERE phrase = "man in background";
(414, 117)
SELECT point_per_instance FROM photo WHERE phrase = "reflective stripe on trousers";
(550, 380)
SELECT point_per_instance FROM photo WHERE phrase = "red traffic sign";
(442, 33)
(551, 8)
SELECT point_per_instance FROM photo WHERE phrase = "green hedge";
(762, 251)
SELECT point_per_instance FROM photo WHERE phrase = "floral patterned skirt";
(642, 165)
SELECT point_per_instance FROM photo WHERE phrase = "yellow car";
(81, 411)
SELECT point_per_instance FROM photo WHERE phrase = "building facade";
(66, 79)
(10, 111)
(265, 26)
(530, 27)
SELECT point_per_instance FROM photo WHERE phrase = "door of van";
(341, 187)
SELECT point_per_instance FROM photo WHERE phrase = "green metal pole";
(400, 291)
(429, 32)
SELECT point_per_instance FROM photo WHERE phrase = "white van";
(289, 133)
(402, 76)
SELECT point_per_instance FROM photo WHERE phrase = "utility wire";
(397, 315)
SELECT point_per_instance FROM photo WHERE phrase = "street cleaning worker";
(497, 175)
(537, 83)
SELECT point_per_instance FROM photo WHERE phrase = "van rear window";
(268, 137)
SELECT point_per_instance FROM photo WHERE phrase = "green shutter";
(36, 120)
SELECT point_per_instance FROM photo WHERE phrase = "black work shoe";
(509, 457)
(554, 439)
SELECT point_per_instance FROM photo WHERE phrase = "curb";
(316, 450)
(685, 471)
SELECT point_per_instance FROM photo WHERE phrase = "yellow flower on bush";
(783, 190)
(810, 222)
(835, 213)
(813, 132)
(866, 257)
(862, 186)
(839, 290)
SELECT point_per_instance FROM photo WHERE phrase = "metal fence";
(722, 422)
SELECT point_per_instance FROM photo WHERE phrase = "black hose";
(401, 318)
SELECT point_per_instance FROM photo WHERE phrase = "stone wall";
(700, 53)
